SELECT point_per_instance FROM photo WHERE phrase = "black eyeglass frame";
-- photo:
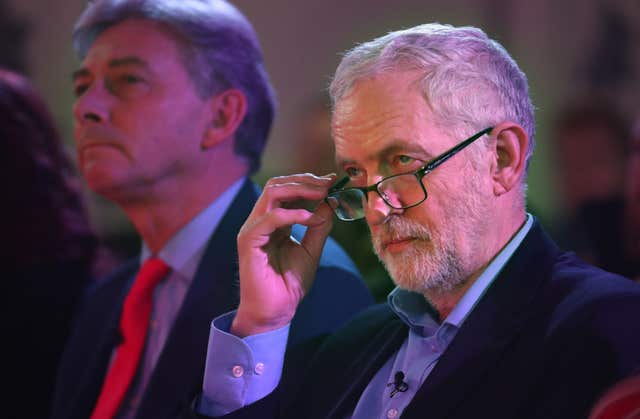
(419, 174)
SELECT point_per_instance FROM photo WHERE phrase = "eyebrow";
(393, 148)
(115, 63)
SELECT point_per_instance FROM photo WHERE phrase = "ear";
(228, 109)
(510, 164)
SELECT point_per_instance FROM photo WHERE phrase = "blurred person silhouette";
(173, 109)
(622, 401)
(49, 251)
(312, 151)
(590, 141)
(632, 199)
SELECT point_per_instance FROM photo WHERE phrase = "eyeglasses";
(401, 191)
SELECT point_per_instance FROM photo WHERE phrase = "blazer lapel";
(93, 373)
(339, 397)
(214, 291)
(492, 325)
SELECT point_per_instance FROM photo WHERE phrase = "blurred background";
(582, 58)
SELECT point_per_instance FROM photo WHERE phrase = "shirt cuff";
(239, 371)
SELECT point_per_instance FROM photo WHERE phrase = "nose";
(376, 210)
(91, 105)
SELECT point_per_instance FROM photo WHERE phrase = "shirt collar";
(414, 310)
(184, 250)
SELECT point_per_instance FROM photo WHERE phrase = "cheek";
(439, 195)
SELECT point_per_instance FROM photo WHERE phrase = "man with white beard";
(434, 129)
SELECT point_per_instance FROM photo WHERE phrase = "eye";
(130, 79)
(127, 85)
(353, 172)
(404, 160)
(80, 88)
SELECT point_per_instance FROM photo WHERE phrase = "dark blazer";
(548, 337)
(178, 375)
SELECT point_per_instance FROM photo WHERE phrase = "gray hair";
(469, 81)
(221, 50)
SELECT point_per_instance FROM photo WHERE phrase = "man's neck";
(445, 301)
(157, 217)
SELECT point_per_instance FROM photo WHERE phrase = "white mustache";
(396, 228)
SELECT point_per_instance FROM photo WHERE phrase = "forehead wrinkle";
(128, 60)
(132, 61)
(154, 43)
(365, 132)
(378, 136)
(379, 113)
(391, 147)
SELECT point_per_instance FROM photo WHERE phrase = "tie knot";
(153, 270)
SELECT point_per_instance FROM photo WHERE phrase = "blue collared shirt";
(182, 253)
(233, 379)
(427, 339)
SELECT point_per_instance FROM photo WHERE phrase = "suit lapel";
(373, 357)
(335, 396)
(492, 325)
(214, 291)
(107, 334)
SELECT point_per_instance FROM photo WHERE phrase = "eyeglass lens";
(401, 191)
(398, 191)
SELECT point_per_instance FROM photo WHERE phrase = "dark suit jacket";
(177, 377)
(549, 336)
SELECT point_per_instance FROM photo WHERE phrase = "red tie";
(133, 326)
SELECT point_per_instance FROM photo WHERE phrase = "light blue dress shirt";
(427, 339)
(226, 390)
(182, 253)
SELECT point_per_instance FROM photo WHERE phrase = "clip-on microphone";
(398, 384)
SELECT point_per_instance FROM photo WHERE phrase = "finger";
(317, 233)
(302, 178)
(265, 201)
(276, 194)
(258, 232)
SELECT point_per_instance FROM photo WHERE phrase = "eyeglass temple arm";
(429, 167)
(339, 184)
(452, 152)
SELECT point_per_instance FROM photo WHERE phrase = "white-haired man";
(434, 128)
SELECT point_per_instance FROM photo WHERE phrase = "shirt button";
(392, 413)
(237, 371)
(259, 369)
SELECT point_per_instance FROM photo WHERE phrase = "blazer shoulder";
(582, 284)
(596, 303)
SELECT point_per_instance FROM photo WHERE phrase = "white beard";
(426, 266)
(434, 263)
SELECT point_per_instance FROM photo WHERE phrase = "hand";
(276, 270)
